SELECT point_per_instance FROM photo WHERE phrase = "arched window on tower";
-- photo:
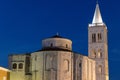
(99, 53)
(93, 37)
(99, 37)
(20, 66)
(14, 66)
(100, 69)
(93, 54)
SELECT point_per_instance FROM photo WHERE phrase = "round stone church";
(57, 61)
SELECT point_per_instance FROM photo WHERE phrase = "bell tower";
(98, 45)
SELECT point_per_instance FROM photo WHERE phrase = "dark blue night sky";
(24, 23)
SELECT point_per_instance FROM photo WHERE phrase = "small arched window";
(66, 65)
(99, 54)
(100, 68)
(14, 66)
(80, 65)
(21, 66)
(49, 61)
(51, 45)
(66, 46)
(93, 54)
(99, 37)
(93, 37)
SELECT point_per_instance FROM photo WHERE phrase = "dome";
(56, 36)
(56, 42)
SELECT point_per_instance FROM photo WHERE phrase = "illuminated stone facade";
(57, 61)
(20, 67)
(4, 74)
(98, 45)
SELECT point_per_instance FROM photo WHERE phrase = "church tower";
(98, 45)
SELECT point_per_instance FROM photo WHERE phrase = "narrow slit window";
(66, 46)
(80, 65)
(99, 54)
(99, 37)
(51, 44)
(94, 54)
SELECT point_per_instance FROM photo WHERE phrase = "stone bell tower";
(98, 45)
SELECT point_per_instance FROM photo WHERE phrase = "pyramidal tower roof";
(97, 15)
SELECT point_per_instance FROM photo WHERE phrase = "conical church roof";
(97, 15)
